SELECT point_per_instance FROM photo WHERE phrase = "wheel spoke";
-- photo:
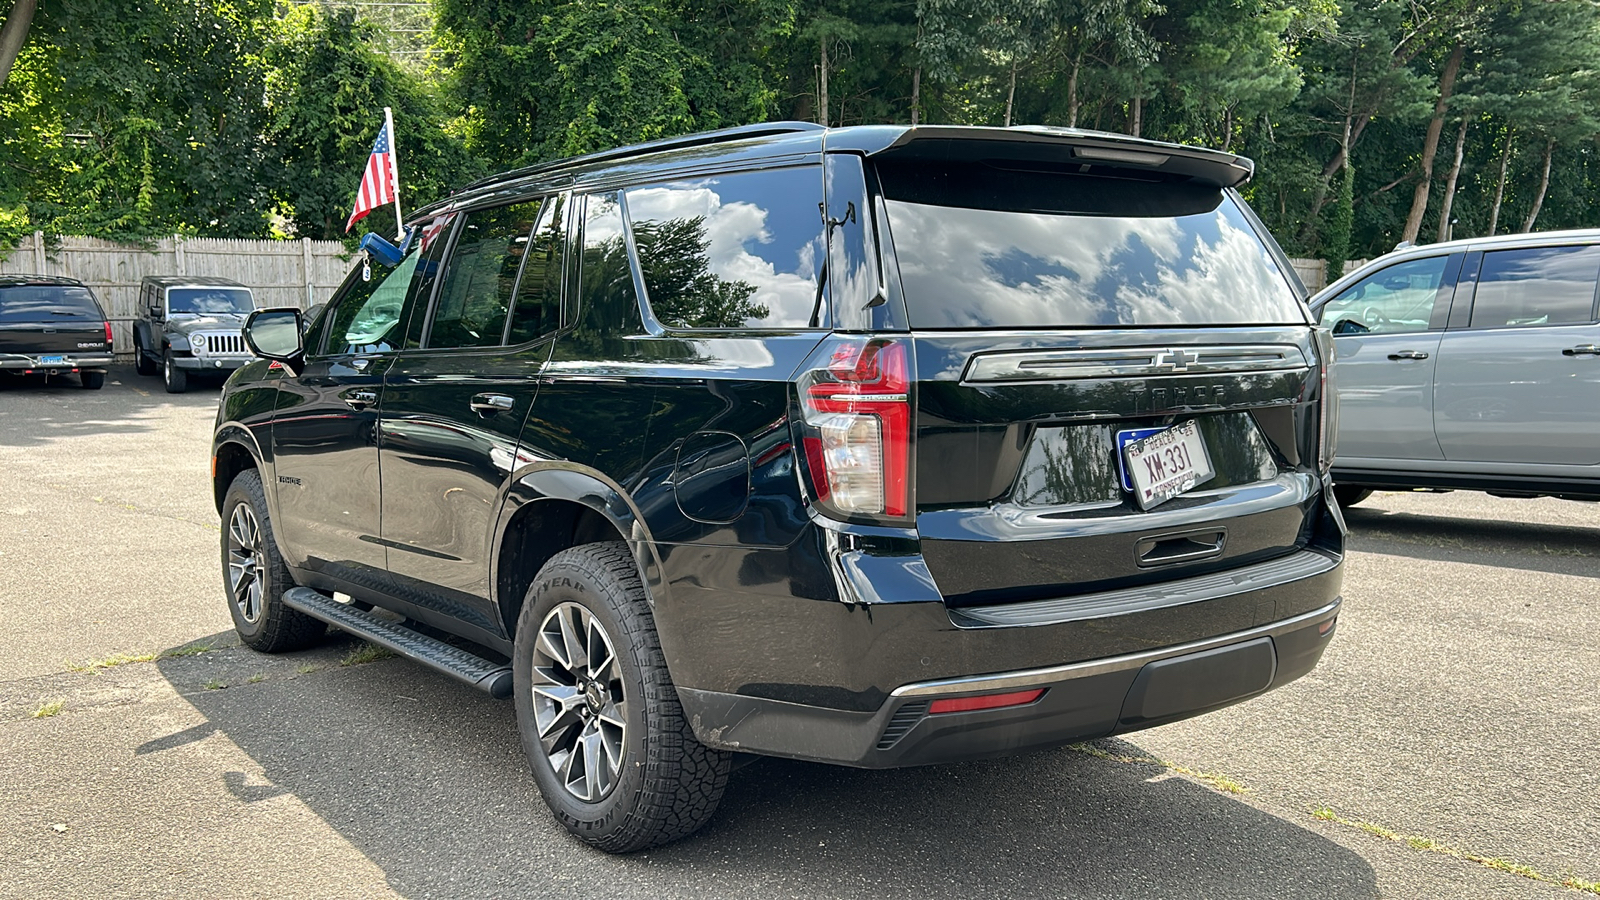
(576, 657)
(592, 762)
(552, 647)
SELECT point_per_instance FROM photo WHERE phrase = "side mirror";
(276, 334)
(1349, 326)
(310, 317)
(155, 310)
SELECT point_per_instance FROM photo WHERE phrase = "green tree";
(326, 94)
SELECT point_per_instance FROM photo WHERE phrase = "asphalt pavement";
(1446, 747)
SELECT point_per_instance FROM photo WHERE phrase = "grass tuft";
(122, 659)
(1428, 845)
(306, 668)
(257, 678)
(215, 685)
(367, 652)
(49, 708)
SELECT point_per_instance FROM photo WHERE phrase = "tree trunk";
(1072, 91)
(916, 94)
(1227, 130)
(1500, 186)
(14, 34)
(1445, 231)
(1544, 185)
(1011, 95)
(916, 80)
(1430, 144)
(822, 89)
(1138, 115)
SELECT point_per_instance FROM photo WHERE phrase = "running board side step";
(485, 675)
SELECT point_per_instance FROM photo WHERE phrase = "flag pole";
(394, 172)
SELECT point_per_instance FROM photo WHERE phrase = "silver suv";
(189, 325)
(1470, 365)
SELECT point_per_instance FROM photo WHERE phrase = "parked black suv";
(53, 326)
(878, 446)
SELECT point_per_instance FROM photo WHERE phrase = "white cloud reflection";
(972, 268)
(734, 231)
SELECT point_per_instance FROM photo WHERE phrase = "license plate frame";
(1163, 465)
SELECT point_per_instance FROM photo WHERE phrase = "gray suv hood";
(189, 324)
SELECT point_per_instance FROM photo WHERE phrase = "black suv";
(53, 326)
(878, 446)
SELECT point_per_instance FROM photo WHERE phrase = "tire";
(1349, 495)
(92, 381)
(659, 784)
(175, 379)
(142, 363)
(255, 576)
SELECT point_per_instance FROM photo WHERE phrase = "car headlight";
(197, 343)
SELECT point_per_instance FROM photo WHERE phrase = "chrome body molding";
(1056, 365)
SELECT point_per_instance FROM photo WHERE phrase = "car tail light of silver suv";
(857, 414)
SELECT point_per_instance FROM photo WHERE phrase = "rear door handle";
(1582, 350)
(1408, 354)
(360, 399)
(489, 404)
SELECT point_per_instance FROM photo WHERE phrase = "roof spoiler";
(1058, 145)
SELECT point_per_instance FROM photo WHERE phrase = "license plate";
(52, 360)
(1166, 464)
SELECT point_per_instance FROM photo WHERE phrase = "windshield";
(34, 302)
(994, 248)
(208, 301)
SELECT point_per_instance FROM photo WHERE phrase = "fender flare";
(561, 480)
(238, 435)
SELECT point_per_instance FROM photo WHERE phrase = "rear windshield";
(36, 302)
(209, 301)
(989, 247)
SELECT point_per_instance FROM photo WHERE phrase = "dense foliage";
(1371, 121)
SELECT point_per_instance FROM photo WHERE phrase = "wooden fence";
(280, 273)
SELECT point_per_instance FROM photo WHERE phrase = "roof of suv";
(1489, 242)
(190, 281)
(18, 280)
(793, 139)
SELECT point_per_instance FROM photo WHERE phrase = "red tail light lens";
(108, 335)
(1328, 408)
(987, 701)
(858, 417)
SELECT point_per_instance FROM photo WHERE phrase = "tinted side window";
(1536, 286)
(538, 309)
(607, 279)
(741, 250)
(369, 311)
(480, 276)
(1395, 300)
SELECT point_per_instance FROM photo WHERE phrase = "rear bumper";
(1081, 701)
(19, 362)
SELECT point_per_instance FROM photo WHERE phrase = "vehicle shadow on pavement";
(426, 778)
(37, 412)
(1561, 549)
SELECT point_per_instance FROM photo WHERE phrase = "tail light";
(857, 436)
(1328, 407)
(108, 335)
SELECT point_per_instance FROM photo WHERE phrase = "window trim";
(1463, 322)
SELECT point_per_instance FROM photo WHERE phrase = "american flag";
(377, 182)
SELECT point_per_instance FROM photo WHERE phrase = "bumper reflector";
(987, 701)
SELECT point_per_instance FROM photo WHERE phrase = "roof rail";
(738, 133)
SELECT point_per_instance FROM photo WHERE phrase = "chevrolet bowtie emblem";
(1178, 360)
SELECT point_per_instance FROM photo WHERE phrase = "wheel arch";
(234, 450)
(551, 507)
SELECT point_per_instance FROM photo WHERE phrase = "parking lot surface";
(1446, 747)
